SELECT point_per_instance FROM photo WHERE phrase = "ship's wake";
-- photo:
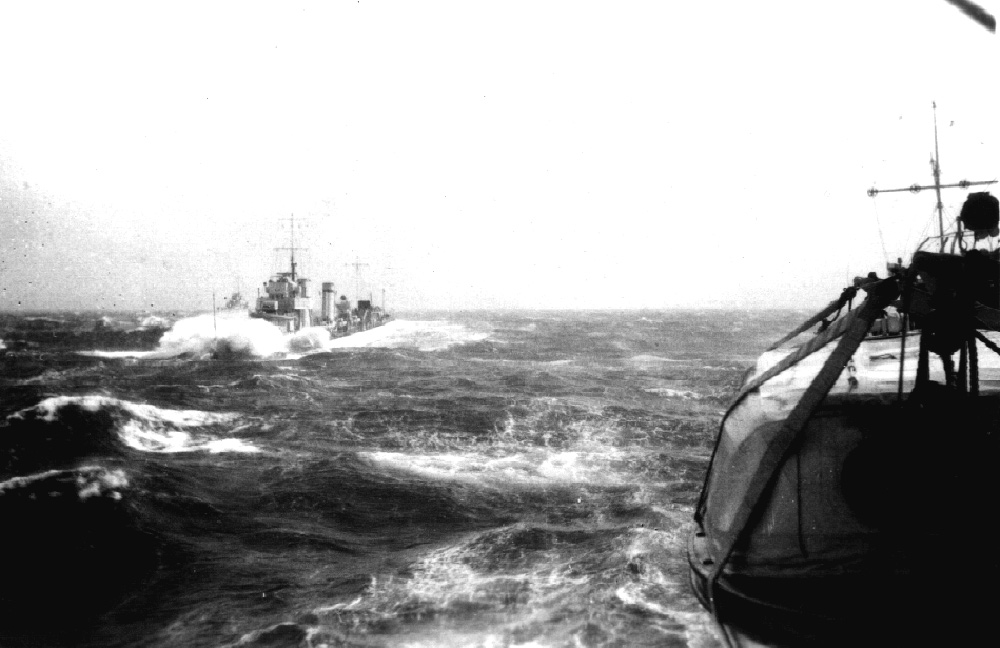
(425, 335)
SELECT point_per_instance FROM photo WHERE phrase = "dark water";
(461, 480)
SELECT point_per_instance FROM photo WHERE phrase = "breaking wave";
(534, 468)
(516, 576)
(85, 482)
(63, 429)
(205, 336)
(668, 392)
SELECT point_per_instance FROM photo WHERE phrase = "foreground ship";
(287, 303)
(851, 493)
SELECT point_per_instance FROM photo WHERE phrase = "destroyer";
(287, 303)
(851, 493)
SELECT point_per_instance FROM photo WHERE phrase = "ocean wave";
(314, 338)
(62, 429)
(674, 393)
(516, 575)
(70, 546)
(168, 441)
(84, 482)
(114, 355)
(206, 336)
(540, 467)
(648, 359)
(528, 585)
(51, 408)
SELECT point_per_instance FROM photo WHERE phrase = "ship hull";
(879, 532)
(951, 607)
(290, 324)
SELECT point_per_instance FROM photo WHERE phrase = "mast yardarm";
(937, 186)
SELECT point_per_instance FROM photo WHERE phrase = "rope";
(881, 237)
(989, 345)
(973, 367)
(963, 367)
(902, 354)
(845, 296)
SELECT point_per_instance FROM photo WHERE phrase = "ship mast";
(937, 178)
(937, 186)
(291, 233)
(357, 265)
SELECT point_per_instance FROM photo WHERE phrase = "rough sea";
(448, 479)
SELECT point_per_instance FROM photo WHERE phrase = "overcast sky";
(504, 154)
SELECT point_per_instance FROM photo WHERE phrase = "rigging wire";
(878, 223)
(923, 235)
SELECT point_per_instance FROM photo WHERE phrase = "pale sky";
(481, 155)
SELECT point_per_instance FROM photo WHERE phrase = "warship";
(236, 302)
(850, 494)
(287, 303)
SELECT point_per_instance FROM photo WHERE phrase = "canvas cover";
(759, 479)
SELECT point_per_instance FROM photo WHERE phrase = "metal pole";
(292, 233)
(937, 180)
(937, 186)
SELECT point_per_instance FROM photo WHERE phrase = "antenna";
(292, 247)
(357, 265)
(937, 186)
(935, 164)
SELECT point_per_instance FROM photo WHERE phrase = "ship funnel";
(328, 297)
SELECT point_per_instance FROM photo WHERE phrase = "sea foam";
(146, 427)
(542, 467)
(422, 335)
(206, 335)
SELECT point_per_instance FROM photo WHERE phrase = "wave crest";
(62, 429)
(70, 544)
